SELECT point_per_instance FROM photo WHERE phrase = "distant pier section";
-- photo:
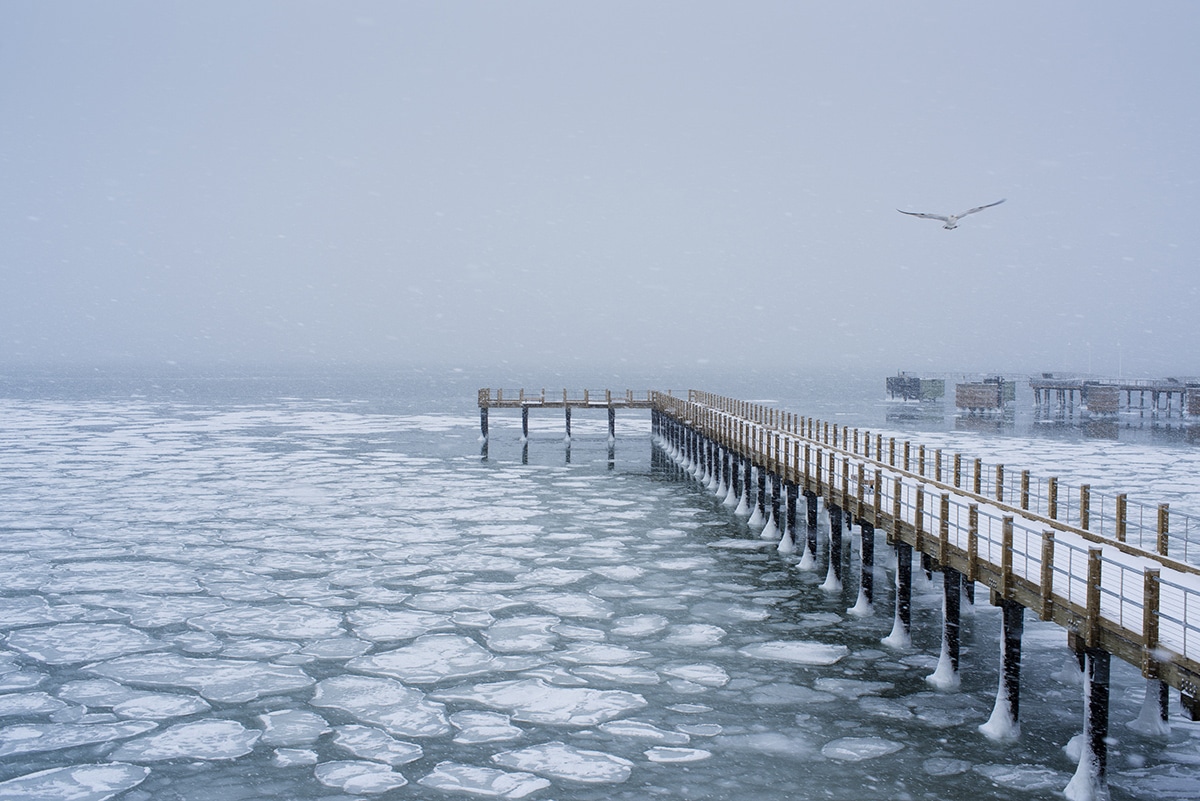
(1104, 395)
(587, 399)
(1066, 393)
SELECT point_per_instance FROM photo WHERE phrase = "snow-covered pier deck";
(1119, 583)
(587, 399)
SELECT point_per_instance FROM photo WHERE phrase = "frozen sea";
(317, 587)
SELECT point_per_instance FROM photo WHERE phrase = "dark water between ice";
(315, 588)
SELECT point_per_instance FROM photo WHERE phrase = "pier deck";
(1125, 594)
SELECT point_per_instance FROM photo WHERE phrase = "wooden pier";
(1111, 573)
(1103, 395)
(1113, 597)
(587, 399)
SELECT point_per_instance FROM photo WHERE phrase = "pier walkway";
(1112, 574)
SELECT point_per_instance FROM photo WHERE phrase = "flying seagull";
(950, 220)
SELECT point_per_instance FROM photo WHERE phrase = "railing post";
(1122, 506)
(907, 447)
(1047, 582)
(1025, 490)
(958, 469)
(944, 531)
(1095, 573)
(1000, 483)
(1085, 503)
(1164, 525)
(973, 542)
(1052, 497)
(978, 476)
(1150, 593)
(1006, 558)
(937, 464)
(919, 520)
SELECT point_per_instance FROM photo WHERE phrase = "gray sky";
(621, 183)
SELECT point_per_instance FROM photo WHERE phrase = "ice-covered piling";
(833, 577)
(1089, 781)
(1004, 724)
(901, 635)
(946, 677)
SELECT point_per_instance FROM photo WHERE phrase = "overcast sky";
(619, 183)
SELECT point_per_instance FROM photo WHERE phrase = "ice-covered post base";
(901, 636)
(791, 495)
(1089, 782)
(810, 499)
(758, 516)
(865, 605)
(945, 677)
(1152, 719)
(1004, 724)
(833, 578)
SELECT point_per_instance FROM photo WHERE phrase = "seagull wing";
(941, 217)
(981, 208)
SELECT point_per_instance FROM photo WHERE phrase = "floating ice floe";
(222, 680)
(558, 760)
(336, 648)
(129, 703)
(451, 777)
(851, 688)
(619, 572)
(1027, 778)
(535, 701)
(638, 625)
(707, 675)
(150, 611)
(599, 654)
(781, 694)
(145, 576)
(670, 755)
(484, 727)
(294, 757)
(383, 702)
(524, 634)
(70, 643)
(75, 783)
(386, 625)
(438, 657)
(201, 739)
(368, 742)
(32, 738)
(618, 674)
(28, 704)
(453, 601)
(279, 621)
(803, 653)
(367, 778)
(32, 610)
(552, 577)
(580, 605)
(644, 731)
(292, 727)
(694, 635)
(791, 744)
(856, 749)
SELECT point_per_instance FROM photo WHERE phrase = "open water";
(308, 587)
